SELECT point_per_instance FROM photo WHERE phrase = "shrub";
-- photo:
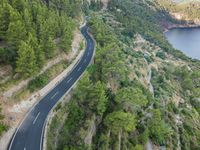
(160, 55)
(38, 82)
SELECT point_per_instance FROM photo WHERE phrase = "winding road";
(29, 135)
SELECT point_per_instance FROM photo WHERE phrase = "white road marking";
(36, 118)
(41, 138)
(69, 80)
(26, 116)
(54, 95)
(79, 69)
(24, 148)
(85, 60)
(88, 53)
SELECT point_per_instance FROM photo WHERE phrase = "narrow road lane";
(29, 135)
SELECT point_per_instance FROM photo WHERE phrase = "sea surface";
(186, 40)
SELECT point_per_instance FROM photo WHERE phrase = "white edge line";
(13, 137)
(69, 90)
(44, 131)
(10, 146)
(36, 118)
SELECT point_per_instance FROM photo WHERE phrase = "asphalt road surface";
(29, 135)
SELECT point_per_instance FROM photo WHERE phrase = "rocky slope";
(140, 92)
(183, 10)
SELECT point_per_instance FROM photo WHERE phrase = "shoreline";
(182, 26)
(176, 26)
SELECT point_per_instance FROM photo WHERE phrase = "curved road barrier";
(29, 135)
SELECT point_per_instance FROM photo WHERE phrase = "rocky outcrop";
(91, 132)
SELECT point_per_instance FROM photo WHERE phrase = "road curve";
(29, 135)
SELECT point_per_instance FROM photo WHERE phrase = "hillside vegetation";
(183, 10)
(32, 33)
(28, 30)
(139, 88)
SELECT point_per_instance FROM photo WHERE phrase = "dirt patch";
(177, 99)
(63, 56)
(5, 73)
(15, 112)
(91, 132)
(105, 4)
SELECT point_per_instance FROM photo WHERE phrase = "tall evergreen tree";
(16, 29)
(26, 61)
(28, 21)
(19, 5)
(39, 53)
(49, 47)
(4, 17)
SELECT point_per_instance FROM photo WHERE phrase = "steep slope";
(139, 88)
(183, 10)
(35, 46)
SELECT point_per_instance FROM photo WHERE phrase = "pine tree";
(49, 47)
(66, 41)
(16, 30)
(120, 120)
(26, 61)
(131, 98)
(98, 100)
(28, 19)
(5, 18)
(19, 5)
(39, 53)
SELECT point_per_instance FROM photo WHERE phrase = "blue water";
(185, 39)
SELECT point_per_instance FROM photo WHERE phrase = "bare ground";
(15, 112)
(105, 4)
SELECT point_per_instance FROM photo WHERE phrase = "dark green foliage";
(189, 80)
(144, 136)
(3, 127)
(138, 17)
(38, 82)
(26, 61)
(158, 129)
(49, 47)
(66, 38)
(120, 120)
(110, 63)
(161, 55)
(131, 99)
(119, 113)
(75, 119)
(38, 25)
(88, 98)
(7, 55)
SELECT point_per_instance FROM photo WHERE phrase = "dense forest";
(29, 29)
(31, 33)
(139, 90)
(115, 105)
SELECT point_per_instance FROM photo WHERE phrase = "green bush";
(160, 55)
(38, 82)
(2, 128)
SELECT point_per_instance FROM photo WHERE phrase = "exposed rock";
(91, 132)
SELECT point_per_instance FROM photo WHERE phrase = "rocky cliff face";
(185, 17)
(182, 10)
